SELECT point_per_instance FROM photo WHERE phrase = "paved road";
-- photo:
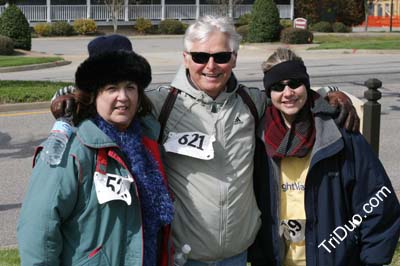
(21, 131)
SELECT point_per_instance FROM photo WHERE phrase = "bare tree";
(227, 7)
(115, 7)
(367, 5)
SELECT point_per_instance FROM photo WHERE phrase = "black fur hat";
(112, 67)
(109, 43)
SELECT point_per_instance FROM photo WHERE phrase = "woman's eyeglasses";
(219, 58)
(280, 86)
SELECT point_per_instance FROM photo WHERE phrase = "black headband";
(286, 70)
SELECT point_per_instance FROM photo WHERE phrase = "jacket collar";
(90, 135)
(328, 136)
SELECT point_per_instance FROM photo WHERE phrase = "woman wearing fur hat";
(107, 201)
(316, 204)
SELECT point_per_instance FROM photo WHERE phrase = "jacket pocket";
(96, 258)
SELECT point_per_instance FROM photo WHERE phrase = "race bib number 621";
(193, 144)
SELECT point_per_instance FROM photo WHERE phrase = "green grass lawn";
(396, 257)
(15, 60)
(376, 42)
(28, 91)
(10, 257)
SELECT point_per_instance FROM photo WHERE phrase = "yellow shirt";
(292, 212)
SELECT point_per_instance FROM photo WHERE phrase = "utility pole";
(230, 8)
(391, 16)
(366, 7)
(291, 10)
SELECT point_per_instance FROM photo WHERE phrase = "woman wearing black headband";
(327, 199)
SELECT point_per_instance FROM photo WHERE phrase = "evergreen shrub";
(340, 27)
(13, 24)
(85, 26)
(171, 26)
(244, 19)
(264, 25)
(43, 29)
(322, 26)
(296, 36)
(286, 23)
(61, 28)
(6, 45)
(143, 25)
(243, 31)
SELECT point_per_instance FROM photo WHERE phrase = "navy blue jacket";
(346, 185)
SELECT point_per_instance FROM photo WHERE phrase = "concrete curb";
(305, 48)
(34, 67)
(130, 36)
(12, 107)
(3, 248)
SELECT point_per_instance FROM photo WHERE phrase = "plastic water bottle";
(180, 258)
(55, 144)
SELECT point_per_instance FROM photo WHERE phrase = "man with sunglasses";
(208, 147)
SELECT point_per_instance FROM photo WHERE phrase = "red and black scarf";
(296, 141)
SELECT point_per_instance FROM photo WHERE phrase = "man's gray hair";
(205, 26)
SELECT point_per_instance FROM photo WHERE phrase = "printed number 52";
(111, 180)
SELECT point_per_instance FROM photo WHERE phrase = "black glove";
(347, 116)
(63, 104)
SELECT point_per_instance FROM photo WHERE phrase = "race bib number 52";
(193, 144)
(112, 187)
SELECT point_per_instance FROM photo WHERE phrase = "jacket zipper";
(222, 231)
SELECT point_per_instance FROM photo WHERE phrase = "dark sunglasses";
(219, 58)
(280, 86)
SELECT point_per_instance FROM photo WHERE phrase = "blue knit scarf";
(157, 207)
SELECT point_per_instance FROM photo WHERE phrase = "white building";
(156, 10)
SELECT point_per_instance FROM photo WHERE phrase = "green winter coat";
(61, 221)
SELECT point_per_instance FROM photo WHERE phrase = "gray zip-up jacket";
(216, 212)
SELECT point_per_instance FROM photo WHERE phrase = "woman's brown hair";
(86, 104)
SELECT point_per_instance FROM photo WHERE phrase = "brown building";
(379, 13)
(381, 8)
